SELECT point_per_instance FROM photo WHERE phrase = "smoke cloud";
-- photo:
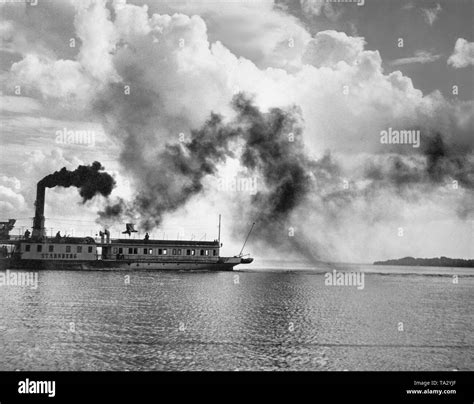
(292, 185)
(91, 180)
(438, 163)
(269, 144)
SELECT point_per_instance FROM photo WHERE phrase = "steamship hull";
(224, 264)
(120, 254)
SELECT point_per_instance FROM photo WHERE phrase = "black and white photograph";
(275, 187)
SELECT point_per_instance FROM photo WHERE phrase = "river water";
(264, 318)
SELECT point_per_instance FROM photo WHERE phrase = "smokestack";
(38, 220)
(90, 180)
(104, 236)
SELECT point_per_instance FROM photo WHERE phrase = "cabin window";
(214, 252)
(130, 250)
(193, 252)
(68, 248)
(160, 251)
(174, 251)
(202, 252)
(79, 249)
(51, 248)
(27, 247)
(207, 252)
(179, 251)
(135, 250)
(145, 251)
(120, 250)
(89, 249)
(150, 251)
(188, 252)
(165, 251)
(39, 247)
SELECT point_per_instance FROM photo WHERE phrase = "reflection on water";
(261, 320)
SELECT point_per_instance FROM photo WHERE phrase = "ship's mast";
(245, 242)
(219, 234)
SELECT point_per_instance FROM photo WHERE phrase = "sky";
(119, 82)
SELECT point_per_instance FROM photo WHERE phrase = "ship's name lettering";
(59, 256)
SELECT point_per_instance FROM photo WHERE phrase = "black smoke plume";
(90, 180)
(271, 148)
(438, 163)
(292, 187)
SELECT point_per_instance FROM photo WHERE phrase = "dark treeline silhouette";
(429, 262)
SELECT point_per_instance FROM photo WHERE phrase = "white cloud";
(321, 7)
(331, 47)
(11, 182)
(419, 57)
(431, 14)
(44, 30)
(19, 104)
(255, 30)
(97, 33)
(73, 82)
(174, 78)
(42, 76)
(14, 40)
(11, 201)
(463, 55)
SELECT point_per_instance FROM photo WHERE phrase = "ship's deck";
(164, 242)
(122, 241)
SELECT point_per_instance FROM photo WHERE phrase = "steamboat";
(37, 251)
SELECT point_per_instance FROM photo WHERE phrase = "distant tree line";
(429, 262)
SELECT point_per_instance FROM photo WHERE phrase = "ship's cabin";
(121, 249)
(160, 249)
(71, 249)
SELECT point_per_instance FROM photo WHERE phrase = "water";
(259, 319)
